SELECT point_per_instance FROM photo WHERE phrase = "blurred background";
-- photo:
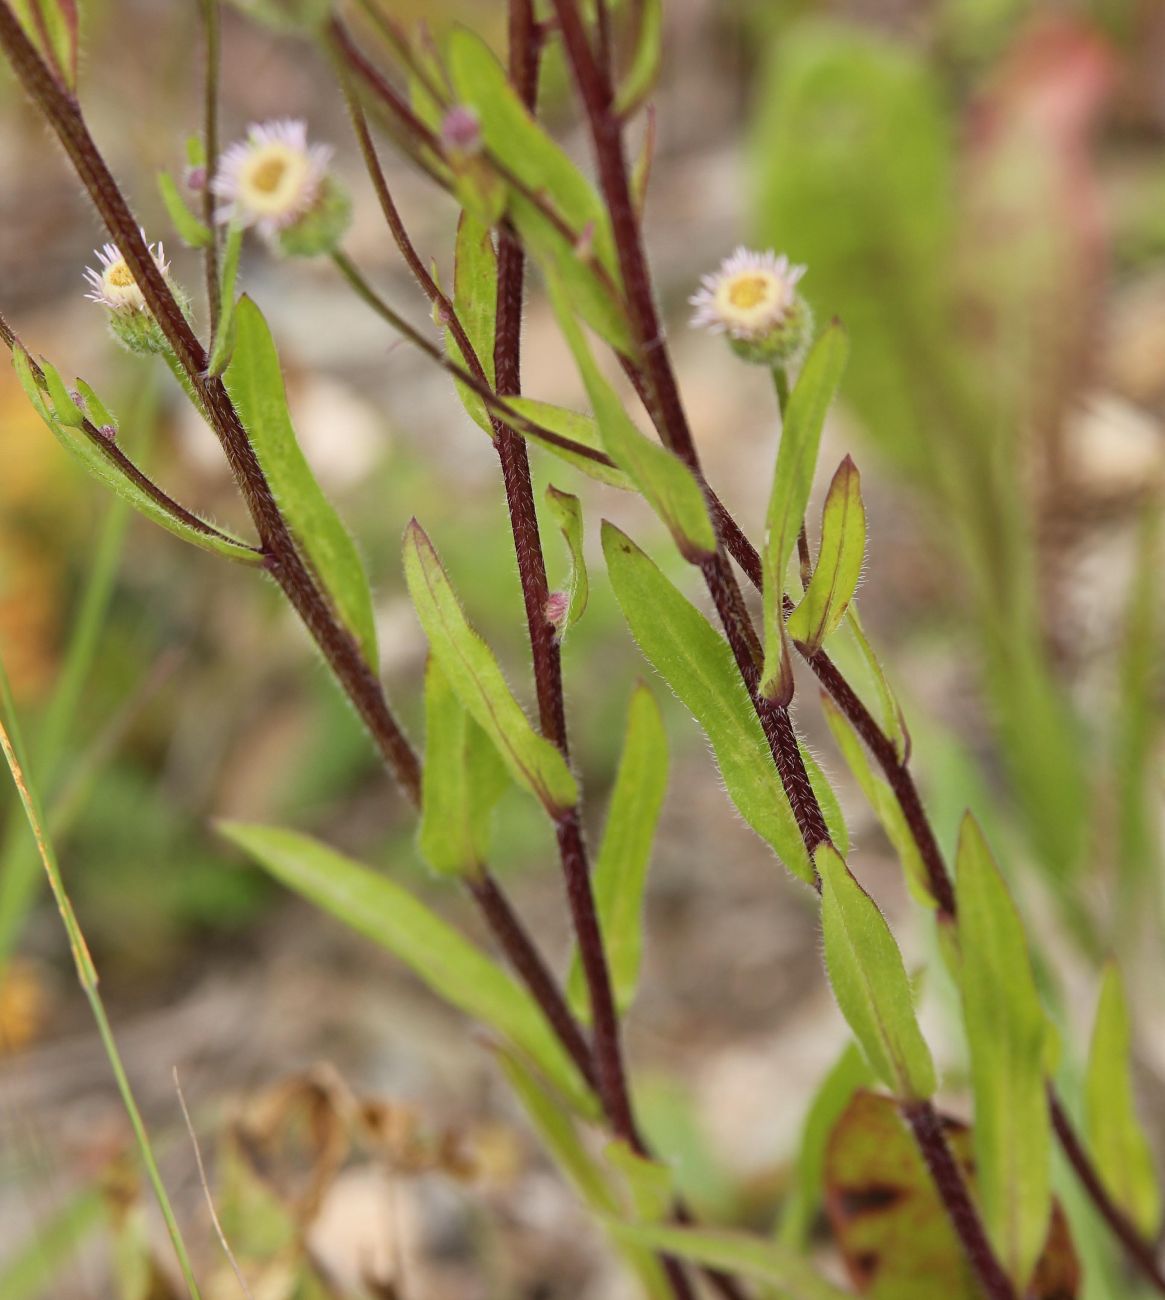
(978, 190)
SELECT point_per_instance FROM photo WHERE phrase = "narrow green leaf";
(870, 982)
(224, 338)
(733, 1252)
(392, 917)
(255, 382)
(644, 70)
(650, 1184)
(65, 408)
(850, 1072)
(462, 779)
(1137, 729)
(559, 1135)
(620, 873)
(51, 25)
(792, 482)
(518, 142)
(1115, 1137)
(99, 413)
(192, 230)
(839, 561)
(697, 663)
(475, 676)
(575, 427)
(107, 471)
(30, 1268)
(567, 512)
(475, 289)
(667, 484)
(1006, 1035)
(882, 801)
(893, 719)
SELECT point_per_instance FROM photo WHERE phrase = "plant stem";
(952, 1189)
(1138, 1250)
(212, 24)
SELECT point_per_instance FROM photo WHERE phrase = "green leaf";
(462, 779)
(475, 676)
(850, 1072)
(32, 1266)
(882, 801)
(255, 382)
(893, 719)
(697, 663)
(51, 25)
(1115, 1137)
(574, 427)
(108, 471)
(65, 409)
(559, 1135)
(475, 289)
(620, 873)
(517, 141)
(870, 982)
(1006, 1035)
(567, 512)
(792, 482)
(644, 70)
(192, 231)
(733, 1252)
(99, 413)
(839, 561)
(390, 916)
(650, 1184)
(224, 337)
(667, 484)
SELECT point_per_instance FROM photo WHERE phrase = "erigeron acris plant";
(472, 126)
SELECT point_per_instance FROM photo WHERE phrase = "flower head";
(114, 285)
(273, 179)
(753, 299)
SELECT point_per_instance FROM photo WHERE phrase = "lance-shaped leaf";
(667, 484)
(893, 719)
(620, 874)
(462, 779)
(850, 1072)
(392, 917)
(1006, 1035)
(870, 981)
(255, 382)
(571, 431)
(51, 25)
(519, 143)
(475, 290)
(839, 561)
(697, 663)
(567, 512)
(736, 1253)
(792, 482)
(881, 800)
(192, 230)
(1115, 1137)
(476, 677)
(118, 473)
(644, 68)
(559, 1135)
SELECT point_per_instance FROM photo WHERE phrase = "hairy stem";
(212, 23)
(928, 1133)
